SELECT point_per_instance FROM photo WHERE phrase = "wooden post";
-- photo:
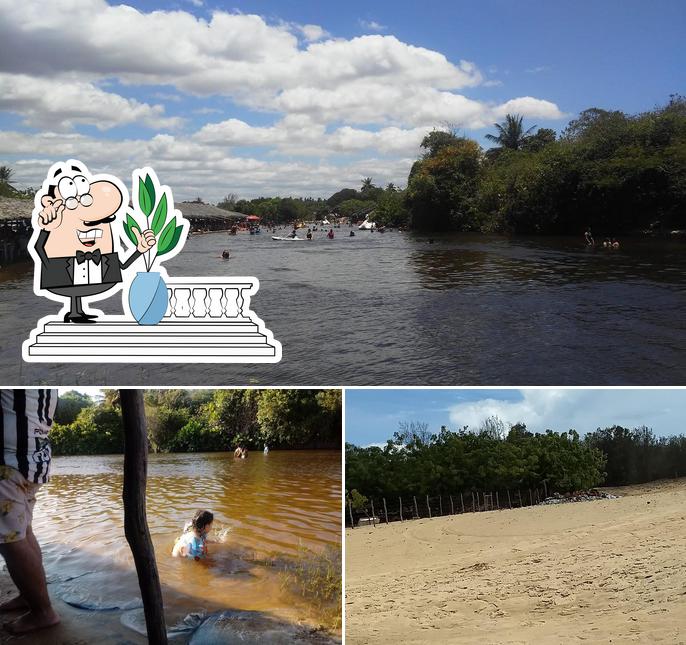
(519, 494)
(416, 509)
(427, 505)
(350, 508)
(509, 501)
(531, 498)
(373, 515)
(385, 510)
(440, 504)
(400, 500)
(452, 508)
(462, 502)
(545, 489)
(135, 519)
(497, 500)
(473, 504)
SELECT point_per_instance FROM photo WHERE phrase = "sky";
(306, 98)
(372, 416)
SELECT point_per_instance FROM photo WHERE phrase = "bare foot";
(32, 622)
(14, 604)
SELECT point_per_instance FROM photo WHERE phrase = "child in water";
(193, 541)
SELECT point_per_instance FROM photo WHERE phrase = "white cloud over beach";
(583, 410)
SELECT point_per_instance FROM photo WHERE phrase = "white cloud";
(582, 410)
(368, 79)
(343, 107)
(194, 167)
(313, 33)
(372, 25)
(60, 103)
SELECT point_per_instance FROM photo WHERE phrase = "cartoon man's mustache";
(104, 220)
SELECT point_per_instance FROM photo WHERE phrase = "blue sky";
(305, 98)
(372, 416)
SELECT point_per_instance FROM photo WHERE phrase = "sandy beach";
(609, 571)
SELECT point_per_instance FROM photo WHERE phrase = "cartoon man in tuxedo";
(77, 251)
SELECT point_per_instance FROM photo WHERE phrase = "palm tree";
(511, 133)
(5, 174)
(367, 185)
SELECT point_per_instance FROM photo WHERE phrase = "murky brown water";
(268, 510)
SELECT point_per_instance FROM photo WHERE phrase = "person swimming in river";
(225, 254)
(294, 233)
(309, 234)
(330, 234)
(589, 237)
(240, 453)
(192, 543)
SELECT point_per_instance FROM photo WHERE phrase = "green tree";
(69, 405)
(511, 133)
(441, 193)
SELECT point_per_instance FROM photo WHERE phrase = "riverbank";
(602, 571)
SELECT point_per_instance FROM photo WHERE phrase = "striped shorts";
(17, 499)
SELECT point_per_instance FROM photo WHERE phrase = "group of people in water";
(308, 235)
(608, 243)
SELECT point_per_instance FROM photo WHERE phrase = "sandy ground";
(78, 627)
(610, 571)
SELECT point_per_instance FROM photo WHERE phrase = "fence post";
(373, 515)
(473, 504)
(519, 494)
(545, 489)
(350, 508)
(452, 508)
(462, 501)
(400, 499)
(440, 504)
(509, 502)
(497, 500)
(416, 508)
(385, 510)
(427, 505)
(531, 498)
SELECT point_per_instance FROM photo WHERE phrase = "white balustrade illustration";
(207, 320)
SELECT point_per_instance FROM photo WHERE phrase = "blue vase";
(148, 298)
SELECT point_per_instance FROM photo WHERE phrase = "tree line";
(608, 170)
(416, 462)
(202, 421)
(611, 171)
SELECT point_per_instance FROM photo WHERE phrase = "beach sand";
(608, 571)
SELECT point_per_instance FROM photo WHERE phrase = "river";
(395, 309)
(271, 512)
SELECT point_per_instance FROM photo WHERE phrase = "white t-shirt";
(25, 420)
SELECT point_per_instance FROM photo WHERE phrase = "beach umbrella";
(135, 518)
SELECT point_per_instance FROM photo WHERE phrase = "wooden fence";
(415, 507)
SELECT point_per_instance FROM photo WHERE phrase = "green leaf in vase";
(166, 237)
(160, 216)
(151, 190)
(129, 225)
(144, 198)
(174, 241)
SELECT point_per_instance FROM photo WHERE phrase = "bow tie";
(82, 257)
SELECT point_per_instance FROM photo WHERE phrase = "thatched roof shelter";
(12, 208)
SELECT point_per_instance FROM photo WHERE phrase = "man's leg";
(18, 602)
(25, 566)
